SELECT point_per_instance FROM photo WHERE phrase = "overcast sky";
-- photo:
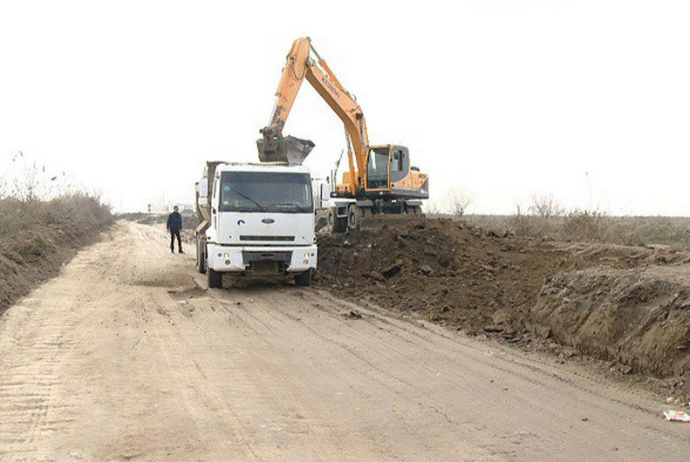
(586, 100)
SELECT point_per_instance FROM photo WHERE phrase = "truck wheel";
(215, 279)
(303, 279)
(200, 256)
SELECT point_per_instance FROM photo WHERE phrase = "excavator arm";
(299, 66)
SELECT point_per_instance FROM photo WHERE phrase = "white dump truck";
(255, 221)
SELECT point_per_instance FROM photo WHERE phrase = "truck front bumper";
(238, 259)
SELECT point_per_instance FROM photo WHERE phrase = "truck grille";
(268, 238)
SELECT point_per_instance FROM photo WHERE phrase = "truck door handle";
(213, 210)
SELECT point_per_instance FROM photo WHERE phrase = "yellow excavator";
(380, 181)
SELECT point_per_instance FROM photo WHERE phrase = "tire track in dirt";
(29, 377)
(124, 357)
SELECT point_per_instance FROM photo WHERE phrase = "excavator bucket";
(288, 149)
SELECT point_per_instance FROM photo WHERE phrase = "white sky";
(585, 100)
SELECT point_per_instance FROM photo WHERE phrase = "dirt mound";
(445, 271)
(639, 317)
(476, 281)
(37, 237)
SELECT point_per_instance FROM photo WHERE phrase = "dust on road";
(123, 356)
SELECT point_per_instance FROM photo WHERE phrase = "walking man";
(175, 226)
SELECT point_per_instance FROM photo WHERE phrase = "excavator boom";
(380, 180)
(298, 67)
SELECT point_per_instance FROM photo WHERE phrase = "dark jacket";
(174, 221)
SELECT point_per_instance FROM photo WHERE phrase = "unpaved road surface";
(124, 357)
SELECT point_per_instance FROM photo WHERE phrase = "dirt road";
(124, 357)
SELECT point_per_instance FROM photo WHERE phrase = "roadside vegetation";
(42, 225)
(545, 218)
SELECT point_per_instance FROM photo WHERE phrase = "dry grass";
(591, 226)
(38, 236)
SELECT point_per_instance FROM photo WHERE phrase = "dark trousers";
(172, 240)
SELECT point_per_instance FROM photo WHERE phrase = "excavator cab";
(388, 169)
(377, 176)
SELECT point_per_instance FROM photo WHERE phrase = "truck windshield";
(265, 192)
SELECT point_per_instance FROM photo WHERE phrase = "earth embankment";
(38, 237)
(628, 305)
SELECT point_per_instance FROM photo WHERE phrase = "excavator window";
(377, 169)
(400, 164)
(397, 161)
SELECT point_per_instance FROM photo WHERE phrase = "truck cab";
(256, 221)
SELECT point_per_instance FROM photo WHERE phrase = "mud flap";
(278, 149)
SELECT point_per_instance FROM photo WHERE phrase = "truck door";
(214, 204)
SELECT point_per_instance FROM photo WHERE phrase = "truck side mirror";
(325, 195)
(202, 193)
(203, 188)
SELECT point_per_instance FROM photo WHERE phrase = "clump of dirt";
(525, 291)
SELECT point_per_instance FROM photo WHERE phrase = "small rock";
(353, 314)
(392, 270)
(427, 270)
(493, 329)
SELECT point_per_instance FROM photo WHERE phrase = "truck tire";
(303, 279)
(200, 256)
(215, 279)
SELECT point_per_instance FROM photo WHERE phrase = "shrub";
(584, 225)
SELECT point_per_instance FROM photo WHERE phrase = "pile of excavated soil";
(638, 317)
(610, 302)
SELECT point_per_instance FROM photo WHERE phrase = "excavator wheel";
(336, 225)
(355, 214)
